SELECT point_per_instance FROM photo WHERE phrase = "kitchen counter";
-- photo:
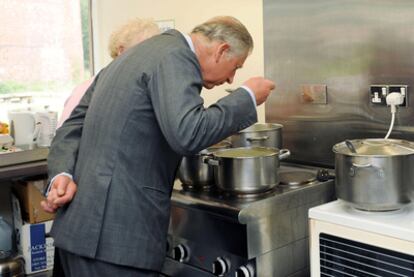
(29, 162)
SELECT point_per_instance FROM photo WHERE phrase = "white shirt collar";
(189, 41)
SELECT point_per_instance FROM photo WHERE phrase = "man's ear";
(221, 50)
(121, 49)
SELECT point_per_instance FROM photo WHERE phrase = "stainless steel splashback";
(323, 56)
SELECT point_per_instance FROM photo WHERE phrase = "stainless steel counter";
(29, 162)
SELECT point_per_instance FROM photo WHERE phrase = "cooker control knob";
(180, 253)
(243, 271)
(220, 267)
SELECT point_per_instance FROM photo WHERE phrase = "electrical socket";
(378, 94)
(403, 89)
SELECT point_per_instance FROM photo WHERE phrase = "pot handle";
(361, 165)
(283, 154)
(354, 167)
(257, 138)
(209, 159)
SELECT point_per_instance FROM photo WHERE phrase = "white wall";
(109, 14)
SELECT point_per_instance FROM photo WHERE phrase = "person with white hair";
(126, 36)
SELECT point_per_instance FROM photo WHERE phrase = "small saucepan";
(194, 173)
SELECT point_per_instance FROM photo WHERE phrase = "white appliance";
(23, 127)
(29, 127)
(345, 241)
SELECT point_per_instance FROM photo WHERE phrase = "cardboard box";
(33, 242)
(30, 194)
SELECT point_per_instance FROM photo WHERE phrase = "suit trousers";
(72, 265)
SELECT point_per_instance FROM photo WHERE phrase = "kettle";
(23, 127)
(28, 127)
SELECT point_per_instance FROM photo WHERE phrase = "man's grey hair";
(227, 29)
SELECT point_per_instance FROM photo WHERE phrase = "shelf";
(23, 163)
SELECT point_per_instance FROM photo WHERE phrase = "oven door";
(174, 268)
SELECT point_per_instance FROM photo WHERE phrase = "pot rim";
(272, 152)
(264, 127)
(339, 147)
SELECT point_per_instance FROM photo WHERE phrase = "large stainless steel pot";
(262, 135)
(378, 176)
(196, 174)
(247, 169)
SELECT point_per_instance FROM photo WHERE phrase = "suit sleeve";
(186, 124)
(65, 145)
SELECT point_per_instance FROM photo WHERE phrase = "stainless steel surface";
(175, 268)
(375, 147)
(247, 169)
(25, 156)
(195, 173)
(350, 146)
(23, 170)
(12, 267)
(259, 134)
(347, 46)
(29, 162)
(268, 233)
(378, 177)
(296, 178)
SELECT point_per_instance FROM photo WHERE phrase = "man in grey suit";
(122, 145)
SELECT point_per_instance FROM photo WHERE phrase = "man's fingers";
(52, 195)
(47, 208)
(63, 200)
(68, 196)
(61, 188)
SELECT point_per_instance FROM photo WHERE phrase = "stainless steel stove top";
(220, 234)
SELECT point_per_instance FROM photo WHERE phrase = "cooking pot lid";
(246, 152)
(296, 178)
(260, 127)
(376, 147)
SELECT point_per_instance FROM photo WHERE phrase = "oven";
(213, 233)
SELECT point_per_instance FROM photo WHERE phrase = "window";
(44, 52)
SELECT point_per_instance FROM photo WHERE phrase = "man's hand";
(62, 192)
(261, 88)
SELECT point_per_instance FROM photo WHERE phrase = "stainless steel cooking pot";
(247, 169)
(377, 176)
(262, 135)
(12, 267)
(196, 174)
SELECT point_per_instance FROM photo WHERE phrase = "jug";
(46, 122)
(23, 127)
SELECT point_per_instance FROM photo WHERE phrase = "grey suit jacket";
(123, 144)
